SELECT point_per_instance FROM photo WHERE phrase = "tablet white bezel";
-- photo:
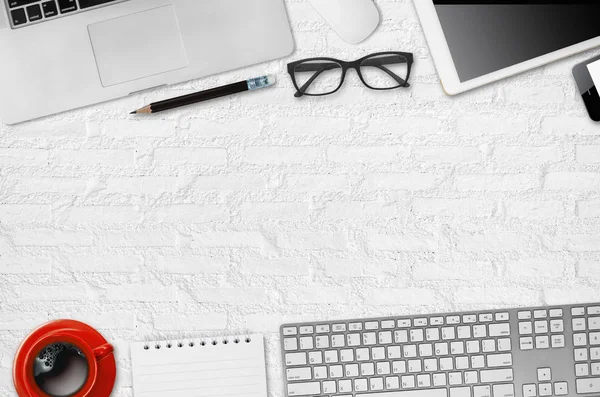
(445, 65)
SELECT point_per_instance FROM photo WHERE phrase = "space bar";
(409, 393)
(91, 3)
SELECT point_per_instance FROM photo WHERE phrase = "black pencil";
(190, 99)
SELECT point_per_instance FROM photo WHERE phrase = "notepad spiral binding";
(202, 342)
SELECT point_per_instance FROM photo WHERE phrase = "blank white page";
(594, 69)
(190, 369)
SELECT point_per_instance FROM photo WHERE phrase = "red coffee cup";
(60, 346)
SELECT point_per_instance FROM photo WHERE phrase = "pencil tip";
(134, 112)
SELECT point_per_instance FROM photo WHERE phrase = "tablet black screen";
(487, 36)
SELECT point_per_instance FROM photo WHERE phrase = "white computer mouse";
(353, 20)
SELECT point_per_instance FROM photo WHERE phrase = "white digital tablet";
(474, 43)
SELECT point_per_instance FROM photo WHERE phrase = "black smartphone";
(587, 88)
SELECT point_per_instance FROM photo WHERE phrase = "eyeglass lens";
(385, 71)
(318, 77)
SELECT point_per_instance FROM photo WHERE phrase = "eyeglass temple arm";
(322, 67)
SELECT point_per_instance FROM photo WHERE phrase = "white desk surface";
(241, 213)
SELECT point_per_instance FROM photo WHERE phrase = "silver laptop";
(57, 55)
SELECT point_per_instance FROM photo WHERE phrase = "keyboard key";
(594, 323)
(544, 374)
(469, 318)
(415, 366)
(482, 391)
(309, 329)
(388, 324)
(306, 343)
(581, 355)
(554, 313)
(34, 13)
(488, 346)
(91, 3)
(430, 365)
(436, 321)
(426, 350)
(471, 377)
(502, 316)
(594, 338)
(525, 328)
(496, 375)
(446, 364)
(49, 9)
(486, 318)
(477, 362)
(557, 326)
(561, 388)
(355, 327)
(473, 347)
(353, 340)
(416, 335)
(542, 342)
(323, 329)
(371, 325)
(595, 369)
(582, 370)
(391, 383)
(439, 380)
(331, 356)
(383, 368)
(329, 387)
(290, 344)
(409, 351)
(338, 340)
(529, 390)
(423, 381)
(399, 367)
(401, 336)
(541, 327)
(460, 392)
(290, 331)
(385, 338)
(304, 389)
(595, 353)
(524, 315)
(404, 323)
(339, 327)
(317, 357)
(320, 372)
(351, 370)
(448, 333)
(378, 353)
(479, 331)
(504, 390)
(499, 360)
(526, 343)
(504, 345)
(593, 310)
(441, 349)
(462, 362)
(322, 341)
(499, 330)
(376, 384)
(457, 348)
(432, 334)
(369, 338)
(579, 324)
(540, 314)
(578, 311)
(345, 386)
(18, 16)
(558, 341)
(295, 359)
(408, 381)
(363, 354)
(545, 389)
(588, 386)
(299, 374)
(455, 378)
(453, 320)
(361, 385)
(394, 352)
(420, 322)
(464, 332)
(409, 393)
(579, 339)
(67, 6)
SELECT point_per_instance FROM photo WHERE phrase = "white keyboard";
(535, 352)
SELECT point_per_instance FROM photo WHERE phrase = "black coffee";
(60, 370)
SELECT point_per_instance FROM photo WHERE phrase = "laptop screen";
(487, 36)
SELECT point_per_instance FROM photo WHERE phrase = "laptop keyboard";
(28, 12)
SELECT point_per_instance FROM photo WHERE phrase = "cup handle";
(103, 351)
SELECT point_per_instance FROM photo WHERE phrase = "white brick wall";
(242, 213)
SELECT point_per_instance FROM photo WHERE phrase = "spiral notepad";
(209, 367)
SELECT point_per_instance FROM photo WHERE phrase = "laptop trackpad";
(138, 45)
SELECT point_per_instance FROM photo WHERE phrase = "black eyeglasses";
(324, 76)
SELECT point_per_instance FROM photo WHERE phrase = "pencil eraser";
(271, 79)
